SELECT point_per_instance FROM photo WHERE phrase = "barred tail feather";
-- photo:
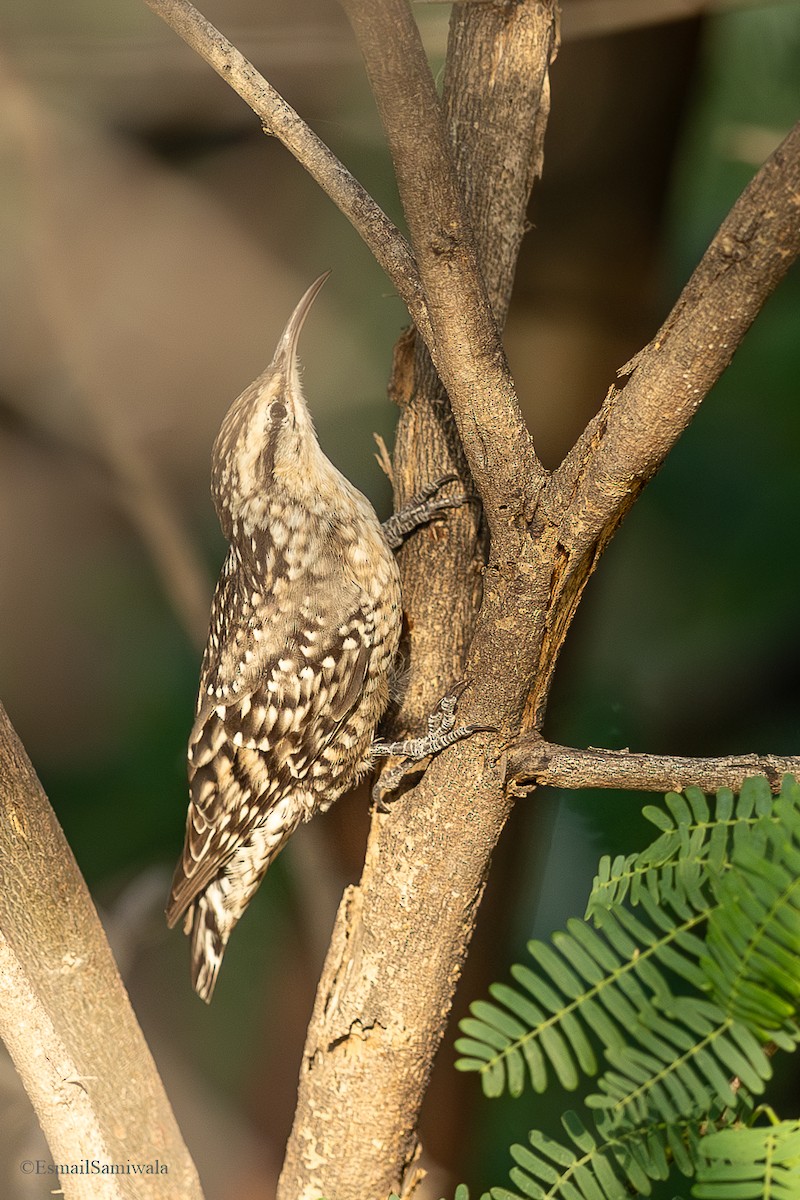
(208, 944)
(215, 910)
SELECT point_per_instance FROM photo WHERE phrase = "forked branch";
(467, 349)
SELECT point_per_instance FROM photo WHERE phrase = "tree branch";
(496, 132)
(497, 136)
(281, 121)
(93, 1084)
(467, 350)
(663, 386)
(533, 761)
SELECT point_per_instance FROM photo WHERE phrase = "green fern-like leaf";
(753, 959)
(692, 848)
(762, 1163)
(680, 1063)
(599, 1165)
(722, 913)
(590, 986)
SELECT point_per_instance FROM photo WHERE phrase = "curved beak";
(287, 346)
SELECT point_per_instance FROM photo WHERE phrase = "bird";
(304, 631)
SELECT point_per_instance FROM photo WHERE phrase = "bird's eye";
(277, 413)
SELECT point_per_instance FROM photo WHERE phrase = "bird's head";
(266, 435)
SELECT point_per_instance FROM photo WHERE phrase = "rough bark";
(64, 1013)
(660, 390)
(497, 136)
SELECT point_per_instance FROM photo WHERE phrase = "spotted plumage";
(304, 629)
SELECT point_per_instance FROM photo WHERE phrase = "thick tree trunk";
(401, 936)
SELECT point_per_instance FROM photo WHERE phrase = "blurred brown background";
(152, 244)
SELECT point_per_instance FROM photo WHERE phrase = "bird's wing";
(249, 749)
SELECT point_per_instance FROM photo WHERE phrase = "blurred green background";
(153, 244)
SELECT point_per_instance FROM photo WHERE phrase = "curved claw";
(441, 734)
(421, 509)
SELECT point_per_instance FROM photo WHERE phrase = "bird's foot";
(421, 509)
(442, 732)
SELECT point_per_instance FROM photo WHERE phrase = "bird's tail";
(208, 942)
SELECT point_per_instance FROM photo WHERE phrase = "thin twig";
(281, 121)
(532, 762)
